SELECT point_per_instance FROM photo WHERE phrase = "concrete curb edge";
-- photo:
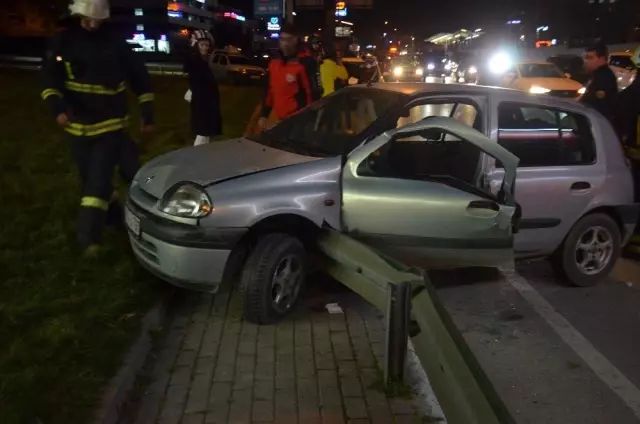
(119, 388)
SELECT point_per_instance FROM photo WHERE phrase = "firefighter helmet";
(635, 57)
(92, 9)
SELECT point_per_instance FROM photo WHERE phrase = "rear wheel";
(274, 277)
(590, 251)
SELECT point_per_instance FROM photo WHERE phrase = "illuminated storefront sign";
(233, 15)
(174, 14)
(274, 24)
(341, 9)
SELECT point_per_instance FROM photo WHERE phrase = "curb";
(418, 380)
(120, 387)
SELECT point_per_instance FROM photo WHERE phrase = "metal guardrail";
(412, 308)
(35, 63)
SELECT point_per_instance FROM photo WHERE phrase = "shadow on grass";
(66, 322)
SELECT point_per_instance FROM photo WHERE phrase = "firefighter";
(292, 79)
(85, 76)
(629, 127)
(602, 89)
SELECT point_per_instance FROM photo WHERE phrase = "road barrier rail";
(35, 63)
(413, 309)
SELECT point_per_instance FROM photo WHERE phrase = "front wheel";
(590, 251)
(274, 277)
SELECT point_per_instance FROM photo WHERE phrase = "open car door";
(435, 220)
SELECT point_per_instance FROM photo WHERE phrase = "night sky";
(421, 18)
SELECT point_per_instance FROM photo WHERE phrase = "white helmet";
(93, 9)
(635, 57)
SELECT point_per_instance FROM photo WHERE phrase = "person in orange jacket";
(292, 79)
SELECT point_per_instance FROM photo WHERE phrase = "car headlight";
(419, 72)
(397, 71)
(186, 200)
(500, 63)
(431, 66)
(536, 89)
(473, 70)
(582, 90)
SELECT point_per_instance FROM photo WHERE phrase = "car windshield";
(239, 60)
(539, 70)
(405, 62)
(333, 125)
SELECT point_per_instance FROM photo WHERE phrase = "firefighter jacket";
(629, 119)
(333, 76)
(86, 74)
(292, 84)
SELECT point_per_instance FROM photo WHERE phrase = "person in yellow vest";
(333, 74)
(629, 125)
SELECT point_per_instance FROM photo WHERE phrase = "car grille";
(564, 93)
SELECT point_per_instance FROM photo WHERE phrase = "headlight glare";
(536, 89)
(186, 201)
(473, 70)
(397, 71)
(431, 66)
(582, 90)
(419, 72)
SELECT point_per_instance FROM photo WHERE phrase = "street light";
(386, 22)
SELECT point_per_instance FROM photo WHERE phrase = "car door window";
(544, 136)
(216, 59)
(622, 62)
(223, 60)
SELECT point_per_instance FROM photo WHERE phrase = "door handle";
(484, 204)
(580, 186)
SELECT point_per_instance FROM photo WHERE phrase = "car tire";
(602, 236)
(277, 266)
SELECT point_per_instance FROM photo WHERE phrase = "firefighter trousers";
(634, 245)
(97, 158)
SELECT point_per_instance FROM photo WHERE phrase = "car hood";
(551, 83)
(211, 163)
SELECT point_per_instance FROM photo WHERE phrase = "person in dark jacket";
(292, 79)
(602, 89)
(86, 72)
(206, 120)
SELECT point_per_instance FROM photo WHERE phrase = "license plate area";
(132, 222)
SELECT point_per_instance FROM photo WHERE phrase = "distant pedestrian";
(86, 71)
(333, 73)
(206, 119)
(292, 79)
(602, 89)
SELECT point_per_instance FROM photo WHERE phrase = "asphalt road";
(556, 354)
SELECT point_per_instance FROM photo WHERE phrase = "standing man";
(629, 127)
(602, 88)
(292, 79)
(85, 76)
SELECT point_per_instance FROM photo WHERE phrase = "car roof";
(622, 53)
(418, 89)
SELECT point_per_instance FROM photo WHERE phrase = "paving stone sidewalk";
(314, 367)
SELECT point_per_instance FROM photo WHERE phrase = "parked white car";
(235, 68)
(621, 65)
(541, 78)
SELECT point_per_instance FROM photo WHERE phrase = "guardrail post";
(397, 334)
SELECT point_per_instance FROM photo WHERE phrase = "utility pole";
(330, 21)
(288, 5)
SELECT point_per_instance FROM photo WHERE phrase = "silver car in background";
(434, 175)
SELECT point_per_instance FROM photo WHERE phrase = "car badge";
(149, 179)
